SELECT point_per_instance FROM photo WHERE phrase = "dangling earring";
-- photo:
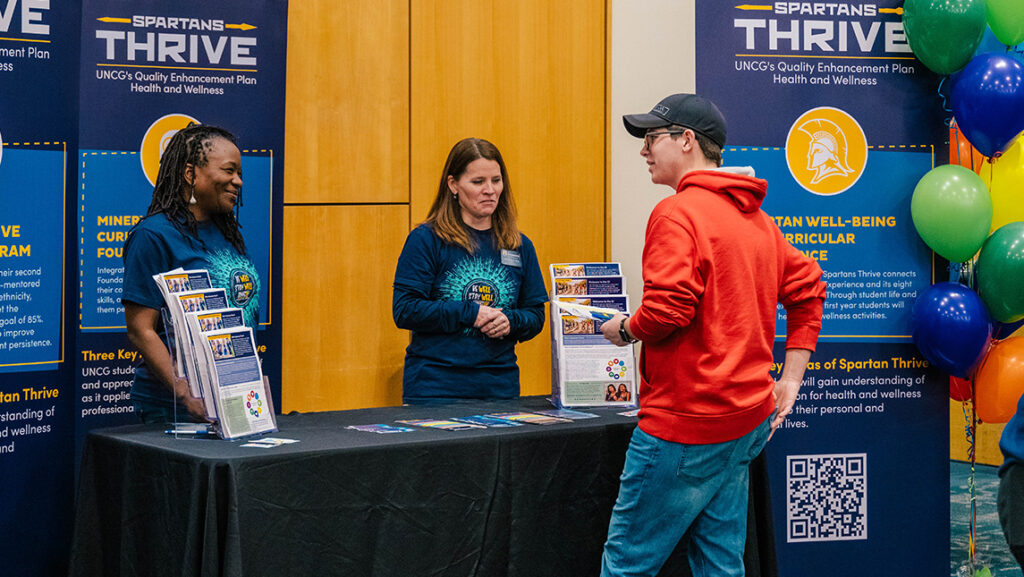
(192, 200)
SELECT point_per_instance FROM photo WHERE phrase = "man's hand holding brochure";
(587, 311)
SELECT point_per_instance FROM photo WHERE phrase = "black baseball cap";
(694, 112)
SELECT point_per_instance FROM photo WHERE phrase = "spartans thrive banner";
(91, 95)
(826, 102)
(146, 72)
(38, 141)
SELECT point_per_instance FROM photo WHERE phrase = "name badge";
(511, 258)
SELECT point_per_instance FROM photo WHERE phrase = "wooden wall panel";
(376, 96)
(530, 77)
(341, 350)
(347, 96)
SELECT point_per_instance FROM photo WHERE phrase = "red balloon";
(959, 389)
(999, 382)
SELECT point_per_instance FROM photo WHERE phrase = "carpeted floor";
(991, 547)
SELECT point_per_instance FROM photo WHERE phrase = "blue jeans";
(665, 488)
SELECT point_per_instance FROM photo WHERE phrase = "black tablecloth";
(527, 501)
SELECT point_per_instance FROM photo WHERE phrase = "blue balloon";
(988, 101)
(989, 43)
(951, 327)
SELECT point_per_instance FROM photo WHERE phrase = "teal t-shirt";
(155, 246)
(438, 290)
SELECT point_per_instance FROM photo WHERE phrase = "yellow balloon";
(1007, 187)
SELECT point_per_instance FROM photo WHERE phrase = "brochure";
(582, 317)
(241, 395)
(588, 370)
(268, 442)
(447, 425)
(531, 418)
(586, 269)
(590, 285)
(170, 283)
(487, 421)
(181, 280)
(380, 428)
(573, 307)
(200, 323)
(191, 301)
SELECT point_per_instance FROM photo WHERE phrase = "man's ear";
(190, 174)
(689, 140)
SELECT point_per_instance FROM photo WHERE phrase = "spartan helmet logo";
(826, 155)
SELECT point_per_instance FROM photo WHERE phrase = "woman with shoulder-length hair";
(468, 285)
(190, 223)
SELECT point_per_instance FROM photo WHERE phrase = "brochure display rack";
(587, 370)
(216, 353)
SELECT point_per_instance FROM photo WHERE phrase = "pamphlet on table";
(380, 428)
(531, 418)
(216, 353)
(445, 424)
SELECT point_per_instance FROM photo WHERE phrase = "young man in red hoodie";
(714, 266)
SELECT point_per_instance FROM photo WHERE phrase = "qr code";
(826, 497)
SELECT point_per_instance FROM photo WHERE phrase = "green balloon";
(944, 33)
(1000, 273)
(952, 211)
(1006, 19)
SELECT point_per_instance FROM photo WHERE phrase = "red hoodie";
(715, 266)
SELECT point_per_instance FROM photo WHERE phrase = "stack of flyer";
(586, 369)
(216, 353)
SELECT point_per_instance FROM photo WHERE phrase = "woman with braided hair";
(191, 223)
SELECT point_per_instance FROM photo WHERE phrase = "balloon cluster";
(960, 217)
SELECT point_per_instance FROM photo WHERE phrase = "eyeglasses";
(650, 137)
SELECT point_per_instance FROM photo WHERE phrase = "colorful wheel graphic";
(616, 369)
(254, 404)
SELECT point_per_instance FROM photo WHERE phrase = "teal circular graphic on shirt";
(237, 275)
(479, 280)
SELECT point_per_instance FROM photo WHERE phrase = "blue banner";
(91, 92)
(38, 139)
(826, 102)
(146, 72)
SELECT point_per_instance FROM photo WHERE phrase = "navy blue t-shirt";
(438, 290)
(155, 246)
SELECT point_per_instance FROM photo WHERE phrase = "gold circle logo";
(155, 141)
(826, 151)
